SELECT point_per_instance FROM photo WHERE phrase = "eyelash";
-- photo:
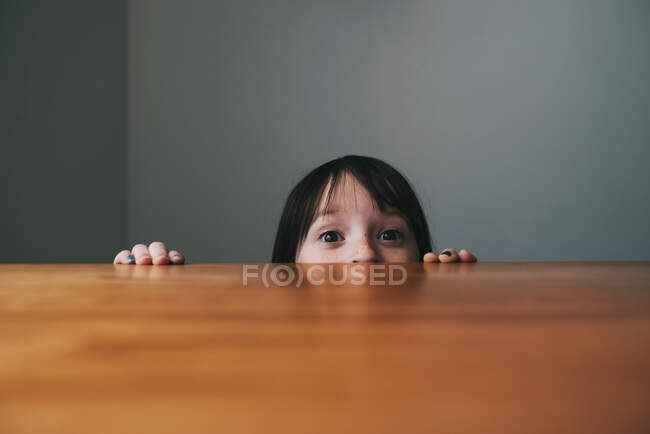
(400, 235)
(322, 236)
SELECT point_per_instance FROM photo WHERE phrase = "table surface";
(457, 348)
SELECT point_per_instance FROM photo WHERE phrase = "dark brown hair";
(386, 186)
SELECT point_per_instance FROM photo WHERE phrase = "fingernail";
(130, 258)
(446, 253)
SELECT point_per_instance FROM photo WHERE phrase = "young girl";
(351, 209)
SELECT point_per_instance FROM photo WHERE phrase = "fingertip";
(430, 257)
(160, 260)
(448, 255)
(176, 257)
(146, 260)
(123, 257)
(466, 256)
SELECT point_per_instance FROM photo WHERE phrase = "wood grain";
(458, 348)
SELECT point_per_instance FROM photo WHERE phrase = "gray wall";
(63, 107)
(524, 125)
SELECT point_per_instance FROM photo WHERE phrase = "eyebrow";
(330, 211)
(395, 213)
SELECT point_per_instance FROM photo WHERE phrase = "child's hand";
(156, 254)
(449, 255)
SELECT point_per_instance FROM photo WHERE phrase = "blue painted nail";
(130, 258)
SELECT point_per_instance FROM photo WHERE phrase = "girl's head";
(352, 209)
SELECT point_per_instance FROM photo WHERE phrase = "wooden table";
(458, 348)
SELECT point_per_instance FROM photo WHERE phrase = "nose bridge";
(366, 251)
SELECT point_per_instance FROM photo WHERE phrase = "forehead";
(349, 195)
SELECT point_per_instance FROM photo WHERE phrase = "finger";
(448, 255)
(158, 252)
(124, 257)
(466, 256)
(142, 255)
(430, 257)
(176, 257)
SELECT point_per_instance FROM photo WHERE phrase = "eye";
(331, 237)
(390, 235)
